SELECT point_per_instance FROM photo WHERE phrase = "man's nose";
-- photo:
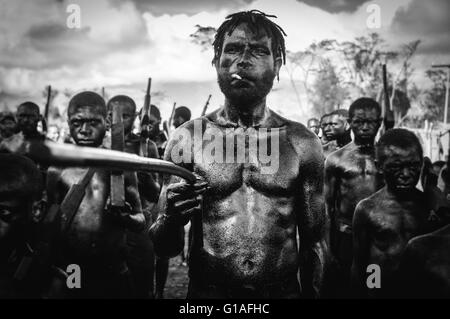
(245, 59)
(405, 172)
(365, 126)
(85, 129)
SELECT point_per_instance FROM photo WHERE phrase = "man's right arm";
(178, 202)
(360, 250)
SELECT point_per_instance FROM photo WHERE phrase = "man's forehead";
(244, 33)
(372, 112)
(91, 111)
(24, 109)
(127, 107)
(401, 152)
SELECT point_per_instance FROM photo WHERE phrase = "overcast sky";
(121, 43)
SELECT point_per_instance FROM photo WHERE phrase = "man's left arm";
(134, 219)
(312, 221)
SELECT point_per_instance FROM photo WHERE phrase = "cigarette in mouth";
(236, 76)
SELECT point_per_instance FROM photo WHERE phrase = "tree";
(434, 98)
(328, 93)
(203, 36)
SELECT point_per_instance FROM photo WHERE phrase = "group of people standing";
(334, 209)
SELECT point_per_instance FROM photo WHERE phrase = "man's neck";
(365, 143)
(246, 115)
(344, 139)
(401, 196)
(31, 134)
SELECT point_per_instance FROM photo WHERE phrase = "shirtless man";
(244, 237)
(28, 117)
(21, 185)
(314, 125)
(337, 128)
(95, 240)
(384, 222)
(425, 267)
(141, 258)
(350, 176)
(328, 142)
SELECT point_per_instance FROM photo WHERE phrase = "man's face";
(128, 116)
(401, 168)
(338, 124)
(153, 125)
(327, 128)
(178, 121)
(13, 214)
(250, 56)
(27, 119)
(314, 126)
(87, 126)
(7, 127)
(365, 124)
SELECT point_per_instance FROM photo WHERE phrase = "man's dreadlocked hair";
(256, 20)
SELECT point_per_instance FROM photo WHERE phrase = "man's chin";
(404, 189)
(87, 143)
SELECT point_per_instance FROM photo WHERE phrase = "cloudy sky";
(121, 43)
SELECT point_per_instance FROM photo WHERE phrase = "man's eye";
(231, 50)
(76, 123)
(260, 51)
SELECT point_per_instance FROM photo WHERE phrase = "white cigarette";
(236, 76)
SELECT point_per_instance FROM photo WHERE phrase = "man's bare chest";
(273, 170)
(357, 167)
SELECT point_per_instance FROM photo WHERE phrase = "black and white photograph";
(236, 150)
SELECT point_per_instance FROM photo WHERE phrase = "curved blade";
(71, 155)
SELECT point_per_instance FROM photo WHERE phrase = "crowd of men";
(337, 205)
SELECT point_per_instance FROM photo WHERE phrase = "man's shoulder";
(371, 203)
(427, 242)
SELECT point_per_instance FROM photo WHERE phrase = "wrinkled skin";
(386, 221)
(248, 220)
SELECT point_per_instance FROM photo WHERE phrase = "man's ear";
(346, 124)
(349, 122)
(108, 120)
(277, 65)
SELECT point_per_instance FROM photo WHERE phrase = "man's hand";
(123, 215)
(184, 200)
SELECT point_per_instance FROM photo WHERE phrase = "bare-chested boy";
(384, 222)
(350, 176)
(95, 239)
(20, 186)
